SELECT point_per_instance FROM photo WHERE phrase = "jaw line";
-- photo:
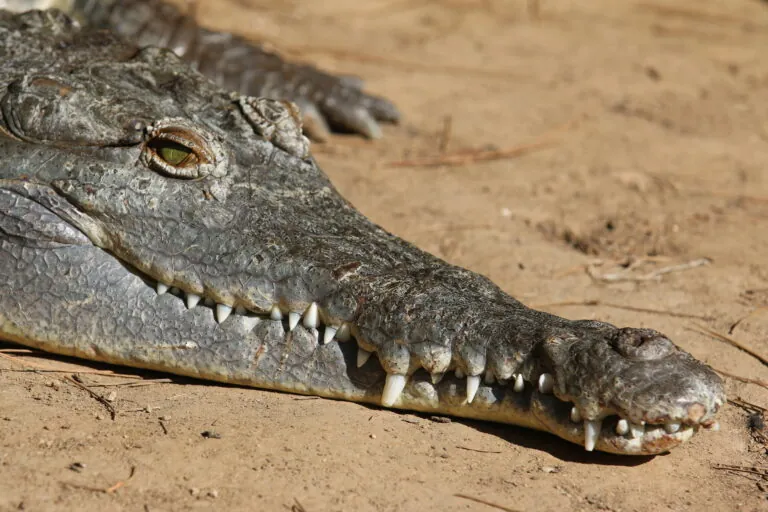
(554, 415)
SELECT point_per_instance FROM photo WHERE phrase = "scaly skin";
(124, 173)
(326, 101)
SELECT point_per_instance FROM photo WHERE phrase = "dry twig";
(747, 406)
(133, 384)
(595, 302)
(702, 329)
(757, 382)
(743, 469)
(103, 401)
(109, 490)
(484, 502)
(759, 310)
(476, 450)
(38, 368)
(467, 157)
(650, 276)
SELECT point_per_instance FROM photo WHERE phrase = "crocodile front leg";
(326, 101)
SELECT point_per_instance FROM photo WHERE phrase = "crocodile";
(151, 218)
(327, 102)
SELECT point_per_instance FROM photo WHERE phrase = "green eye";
(173, 153)
(177, 150)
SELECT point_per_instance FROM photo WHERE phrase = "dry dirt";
(657, 114)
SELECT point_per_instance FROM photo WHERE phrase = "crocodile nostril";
(642, 343)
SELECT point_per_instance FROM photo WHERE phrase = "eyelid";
(208, 155)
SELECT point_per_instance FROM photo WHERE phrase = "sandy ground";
(657, 114)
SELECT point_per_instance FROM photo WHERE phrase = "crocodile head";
(148, 218)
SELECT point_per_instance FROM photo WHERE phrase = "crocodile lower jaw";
(506, 399)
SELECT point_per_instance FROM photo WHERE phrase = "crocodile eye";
(173, 153)
(176, 148)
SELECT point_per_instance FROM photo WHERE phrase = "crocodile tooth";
(362, 357)
(275, 313)
(636, 430)
(293, 320)
(343, 334)
(161, 288)
(192, 300)
(473, 383)
(672, 427)
(222, 312)
(329, 334)
(519, 383)
(392, 389)
(546, 383)
(459, 374)
(251, 321)
(575, 415)
(310, 317)
(591, 433)
(622, 427)
(240, 310)
(488, 379)
(436, 377)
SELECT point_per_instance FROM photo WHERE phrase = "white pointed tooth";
(459, 374)
(275, 313)
(591, 433)
(622, 427)
(344, 333)
(222, 312)
(636, 430)
(192, 300)
(473, 383)
(250, 321)
(519, 383)
(575, 415)
(392, 389)
(488, 379)
(329, 334)
(311, 317)
(437, 377)
(293, 320)
(362, 357)
(161, 288)
(546, 383)
(672, 427)
(240, 310)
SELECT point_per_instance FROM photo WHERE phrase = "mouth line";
(560, 417)
(610, 431)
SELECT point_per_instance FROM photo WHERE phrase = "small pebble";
(77, 467)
